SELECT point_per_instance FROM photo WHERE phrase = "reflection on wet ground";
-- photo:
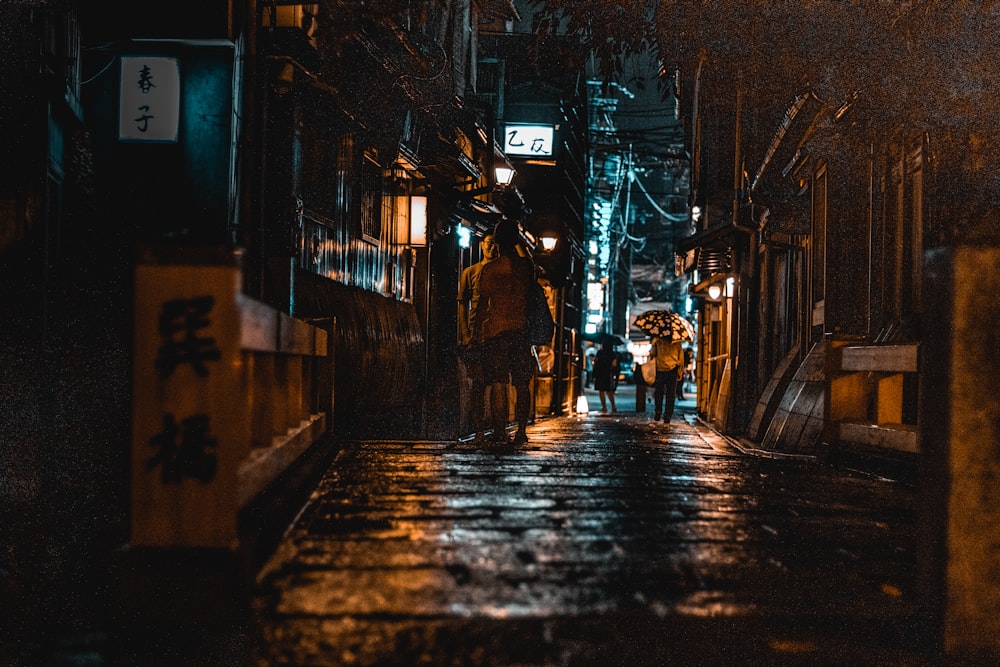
(606, 540)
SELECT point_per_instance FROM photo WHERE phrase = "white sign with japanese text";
(531, 140)
(150, 99)
(190, 417)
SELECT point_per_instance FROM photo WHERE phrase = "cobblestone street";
(607, 540)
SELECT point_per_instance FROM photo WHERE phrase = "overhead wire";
(672, 217)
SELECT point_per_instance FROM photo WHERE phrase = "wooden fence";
(227, 394)
(867, 394)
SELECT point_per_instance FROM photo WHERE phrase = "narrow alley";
(607, 540)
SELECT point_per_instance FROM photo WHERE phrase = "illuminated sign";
(530, 140)
(149, 100)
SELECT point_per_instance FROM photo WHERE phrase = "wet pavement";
(606, 540)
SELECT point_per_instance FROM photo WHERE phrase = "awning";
(476, 214)
(720, 236)
(708, 250)
(786, 145)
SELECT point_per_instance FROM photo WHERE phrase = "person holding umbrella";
(669, 355)
(669, 330)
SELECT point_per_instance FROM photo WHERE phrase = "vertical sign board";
(190, 425)
(149, 100)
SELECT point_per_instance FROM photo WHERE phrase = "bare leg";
(499, 410)
(522, 410)
(480, 393)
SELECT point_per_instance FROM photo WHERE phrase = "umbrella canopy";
(612, 339)
(665, 324)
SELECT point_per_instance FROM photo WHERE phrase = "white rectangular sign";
(531, 140)
(150, 99)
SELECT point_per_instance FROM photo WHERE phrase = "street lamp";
(717, 289)
(713, 287)
(548, 242)
(504, 174)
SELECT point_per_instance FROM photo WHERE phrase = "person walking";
(589, 351)
(504, 291)
(682, 374)
(469, 320)
(669, 357)
(606, 375)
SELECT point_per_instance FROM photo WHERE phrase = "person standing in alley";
(682, 374)
(606, 375)
(469, 321)
(504, 291)
(669, 355)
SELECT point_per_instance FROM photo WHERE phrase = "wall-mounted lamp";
(418, 221)
(713, 287)
(716, 290)
(504, 174)
(548, 242)
(411, 220)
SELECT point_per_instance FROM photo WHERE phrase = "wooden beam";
(877, 358)
(900, 437)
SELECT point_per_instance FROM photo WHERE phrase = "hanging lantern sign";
(149, 99)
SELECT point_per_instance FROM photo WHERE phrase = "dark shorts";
(472, 358)
(507, 358)
(605, 382)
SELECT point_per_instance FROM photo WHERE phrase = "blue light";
(464, 236)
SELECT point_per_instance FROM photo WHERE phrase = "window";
(913, 231)
(818, 246)
(371, 200)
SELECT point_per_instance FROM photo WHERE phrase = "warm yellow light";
(714, 291)
(548, 243)
(504, 175)
(418, 221)
(582, 407)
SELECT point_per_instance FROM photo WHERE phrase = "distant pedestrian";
(606, 375)
(669, 357)
(504, 290)
(588, 362)
(688, 356)
(469, 336)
